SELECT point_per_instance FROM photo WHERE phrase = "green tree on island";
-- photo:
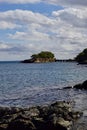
(82, 57)
(43, 54)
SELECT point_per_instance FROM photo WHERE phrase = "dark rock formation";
(78, 86)
(28, 61)
(57, 116)
(81, 86)
(68, 87)
(38, 60)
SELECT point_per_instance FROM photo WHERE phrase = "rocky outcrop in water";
(56, 116)
(81, 86)
(81, 58)
(39, 60)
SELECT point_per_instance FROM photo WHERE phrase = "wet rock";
(68, 87)
(33, 112)
(58, 115)
(75, 115)
(65, 123)
(39, 123)
(84, 84)
(78, 86)
(3, 126)
(81, 86)
(21, 124)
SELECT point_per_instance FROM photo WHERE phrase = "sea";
(25, 85)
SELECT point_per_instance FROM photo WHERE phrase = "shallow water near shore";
(35, 84)
(81, 104)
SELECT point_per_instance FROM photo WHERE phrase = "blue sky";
(31, 26)
(36, 7)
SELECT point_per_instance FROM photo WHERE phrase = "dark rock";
(21, 124)
(64, 123)
(68, 87)
(75, 115)
(31, 112)
(28, 61)
(81, 86)
(56, 116)
(78, 86)
(84, 84)
(39, 123)
(83, 63)
(4, 111)
(3, 126)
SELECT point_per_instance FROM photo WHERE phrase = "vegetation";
(42, 57)
(82, 57)
(43, 54)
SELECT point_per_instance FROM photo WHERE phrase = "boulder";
(55, 116)
(21, 124)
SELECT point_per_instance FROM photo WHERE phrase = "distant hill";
(81, 58)
(42, 57)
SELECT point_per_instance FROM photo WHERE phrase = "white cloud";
(56, 2)
(3, 46)
(68, 2)
(63, 33)
(24, 16)
(8, 25)
(19, 1)
(75, 17)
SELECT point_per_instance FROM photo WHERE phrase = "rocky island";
(41, 57)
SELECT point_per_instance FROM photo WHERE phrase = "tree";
(34, 56)
(43, 54)
(82, 57)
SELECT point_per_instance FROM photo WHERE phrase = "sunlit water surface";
(35, 84)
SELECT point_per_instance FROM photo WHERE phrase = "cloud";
(10, 47)
(19, 1)
(55, 2)
(8, 25)
(68, 2)
(75, 17)
(24, 16)
(63, 33)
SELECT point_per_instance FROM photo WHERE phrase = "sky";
(30, 26)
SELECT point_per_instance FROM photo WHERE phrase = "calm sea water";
(34, 84)
(28, 84)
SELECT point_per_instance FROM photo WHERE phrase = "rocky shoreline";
(59, 115)
(81, 86)
(56, 116)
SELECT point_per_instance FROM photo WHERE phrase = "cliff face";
(43, 60)
(39, 60)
